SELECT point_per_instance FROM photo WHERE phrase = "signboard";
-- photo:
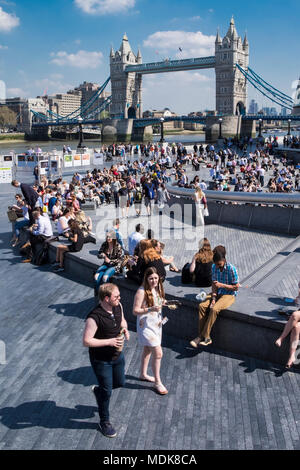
(86, 159)
(77, 159)
(43, 167)
(5, 175)
(98, 158)
(68, 161)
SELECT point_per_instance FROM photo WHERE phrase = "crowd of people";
(58, 206)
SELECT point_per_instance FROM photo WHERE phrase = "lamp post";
(259, 129)
(289, 127)
(161, 130)
(79, 146)
(220, 128)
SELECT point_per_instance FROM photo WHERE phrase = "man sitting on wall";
(225, 284)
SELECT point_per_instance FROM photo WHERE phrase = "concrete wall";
(271, 219)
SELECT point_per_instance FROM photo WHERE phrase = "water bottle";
(121, 335)
(124, 271)
(201, 297)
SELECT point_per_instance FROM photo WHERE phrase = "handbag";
(205, 212)
(12, 215)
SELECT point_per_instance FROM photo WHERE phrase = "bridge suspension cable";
(55, 118)
(277, 97)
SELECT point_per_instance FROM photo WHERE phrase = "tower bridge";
(126, 122)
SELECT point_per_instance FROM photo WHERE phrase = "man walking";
(102, 336)
(30, 196)
(225, 284)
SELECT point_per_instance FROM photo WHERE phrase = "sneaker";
(107, 429)
(195, 342)
(58, 269)
(55, 263)
(206, 342)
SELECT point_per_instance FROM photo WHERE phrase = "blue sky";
(52, 46)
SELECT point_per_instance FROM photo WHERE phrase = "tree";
(8, 118)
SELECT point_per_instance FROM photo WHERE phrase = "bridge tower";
(126, 88)
(231, 85)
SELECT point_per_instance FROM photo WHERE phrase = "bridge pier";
(38, 134)
(122, 130)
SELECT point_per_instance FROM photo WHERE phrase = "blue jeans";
(20, 224)
(104, 271)
(110, 375)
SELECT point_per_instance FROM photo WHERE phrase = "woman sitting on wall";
(202, 263)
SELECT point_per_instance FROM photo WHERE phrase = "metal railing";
(239, 197)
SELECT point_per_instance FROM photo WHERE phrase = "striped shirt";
(228, 276)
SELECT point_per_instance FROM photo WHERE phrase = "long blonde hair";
(205, 254)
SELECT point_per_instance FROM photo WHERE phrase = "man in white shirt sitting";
(39, 232)
(135, 238)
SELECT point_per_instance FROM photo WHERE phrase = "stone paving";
(216, 400)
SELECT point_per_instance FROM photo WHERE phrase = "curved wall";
(245, 210)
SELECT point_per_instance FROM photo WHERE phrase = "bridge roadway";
(216, 400)
(173, 65)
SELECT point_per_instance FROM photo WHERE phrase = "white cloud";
(104, 7)
(82, 59)
(195, 18)
(193, 44)
(52, 85)
(3, 48)
(8, 21)
(16, 92)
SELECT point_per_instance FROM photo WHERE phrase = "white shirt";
(60, 228)
(44, 227)
(133, 240)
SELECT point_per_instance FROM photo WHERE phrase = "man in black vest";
(103, 337)
(30, 196)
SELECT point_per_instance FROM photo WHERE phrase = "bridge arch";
(240, 109)
(131, 113)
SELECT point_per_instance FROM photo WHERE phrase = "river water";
(21, 147)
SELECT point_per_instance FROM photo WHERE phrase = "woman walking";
(201, 205)
(148, 303)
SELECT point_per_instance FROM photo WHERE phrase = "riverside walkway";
(216, 400)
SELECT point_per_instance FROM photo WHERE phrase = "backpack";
(186, 276)
(138, 196)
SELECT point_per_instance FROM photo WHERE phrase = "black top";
(77, 246)
(109, 326)
(157, 264)
(30, 195)
(203, 274)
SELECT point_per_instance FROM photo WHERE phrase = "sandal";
(161, 389)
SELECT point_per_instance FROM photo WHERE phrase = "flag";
(180, 49)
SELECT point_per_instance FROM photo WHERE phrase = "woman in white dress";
(148, 303)
(201, 205)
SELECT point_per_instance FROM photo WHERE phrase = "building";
(88, 91)
(165, 113)
(22, 107)
(253, 107)
(231, 85)
(65, 103)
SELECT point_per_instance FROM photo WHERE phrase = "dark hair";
(221, 249)
(218, 256)
(139, 227)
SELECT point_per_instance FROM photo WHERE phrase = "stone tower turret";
(125, 87)
(231, 86)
